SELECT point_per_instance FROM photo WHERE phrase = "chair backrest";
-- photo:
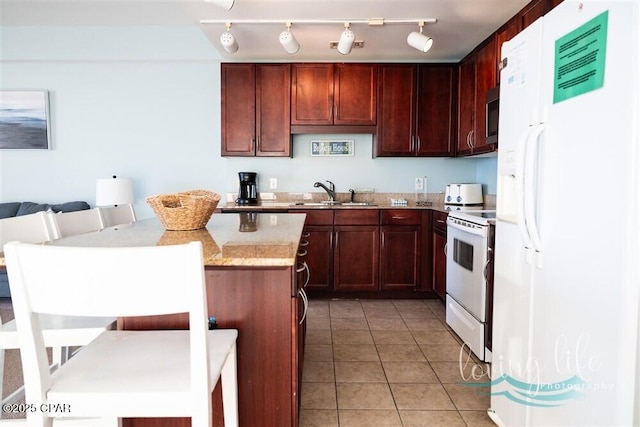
(117, 215)
(126, 281)
(32, 228)
(70, 223)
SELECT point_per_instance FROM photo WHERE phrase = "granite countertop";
(284, 202)
(243, 239)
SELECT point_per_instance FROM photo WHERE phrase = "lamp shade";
(229, 42)
(346, 42)
(114, 191)
(289, 42)
(224, 4)
(419, 41)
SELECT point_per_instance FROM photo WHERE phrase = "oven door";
(466, 268)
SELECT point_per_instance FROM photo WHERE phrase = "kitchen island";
(250, 269)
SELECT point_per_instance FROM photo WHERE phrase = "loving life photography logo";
(573, 365)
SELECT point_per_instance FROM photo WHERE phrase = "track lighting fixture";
(419, 41)
(288, 41)
(346, 40)
(229, 43)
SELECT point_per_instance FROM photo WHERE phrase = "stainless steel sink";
(328, 203)
(358, 204)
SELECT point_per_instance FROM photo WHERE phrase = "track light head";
(224, 4)
(288, 41)
(419, 41)
(228, 41)
(346, 40)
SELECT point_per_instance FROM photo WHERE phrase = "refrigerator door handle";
(530, 188)
(520, 190)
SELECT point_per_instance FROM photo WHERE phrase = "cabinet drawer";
(439, 221)
(316, 216)
(400, 217)
(356, 217)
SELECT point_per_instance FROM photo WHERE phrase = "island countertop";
(241, 239)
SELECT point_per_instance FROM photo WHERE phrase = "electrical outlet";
(419, 184)
(273, 183)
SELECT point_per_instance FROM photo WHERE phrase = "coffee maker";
(248, 192)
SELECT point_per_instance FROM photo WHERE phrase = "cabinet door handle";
(305, 302)
(440, 221)
(472, 142)
(308, 279)
(399, 217)
(306, 234)
(469, 139)
(419, 143)
(445, 248)
(302, 253)
(304, 243)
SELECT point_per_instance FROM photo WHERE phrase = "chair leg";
(230, 390)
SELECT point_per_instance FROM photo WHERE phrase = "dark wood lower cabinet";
(259, 303)
(439, 255)
(356, 258)
(399, 257)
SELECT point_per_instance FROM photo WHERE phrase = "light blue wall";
(144, 103)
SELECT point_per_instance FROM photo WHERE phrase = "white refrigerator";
(567, 250)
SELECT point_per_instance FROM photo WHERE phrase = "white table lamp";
(114, 191)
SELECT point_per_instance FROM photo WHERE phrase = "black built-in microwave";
(492, 113)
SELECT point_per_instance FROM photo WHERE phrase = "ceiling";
(461, 24)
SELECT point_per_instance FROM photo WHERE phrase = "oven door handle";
(476, 231)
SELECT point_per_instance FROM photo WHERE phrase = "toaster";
(463, 195)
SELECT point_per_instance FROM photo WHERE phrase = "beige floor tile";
(355, 353)
(369, 418)
(386, 324)
(409, 372)
(318, 396)
(400, 353)
(318, 306)
(318, 418)
(352, 337)
(318, 337)
(456, 372)
(431, 419)
(409, 303)
(318, 353)
(443, 352)
(441, 337)
(392, 337)
(477, 419)
(364, 396)
(319, 322)
(345, 309)
(468, 398)
(349, 324)
(364, 372)
(376, 303)
(318, 372)
(385, 313)
(430, 324)
(421, 397)
(416, 313)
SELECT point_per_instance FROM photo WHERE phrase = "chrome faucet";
(331, 191)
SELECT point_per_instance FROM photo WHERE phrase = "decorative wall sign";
(344, 147)
(24, 119)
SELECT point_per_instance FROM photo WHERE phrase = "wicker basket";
(188, 210)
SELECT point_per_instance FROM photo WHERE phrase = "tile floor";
(387, 363)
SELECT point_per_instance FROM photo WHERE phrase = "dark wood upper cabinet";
(333, 94)
(238, 94)
(434, 124)
(485, 79)
(397, 94)
(415, 110)
(466, 104)
(255, 109)
(312, 94)
(354, 99)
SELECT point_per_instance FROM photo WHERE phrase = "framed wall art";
(333, 148)
(24, 120)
